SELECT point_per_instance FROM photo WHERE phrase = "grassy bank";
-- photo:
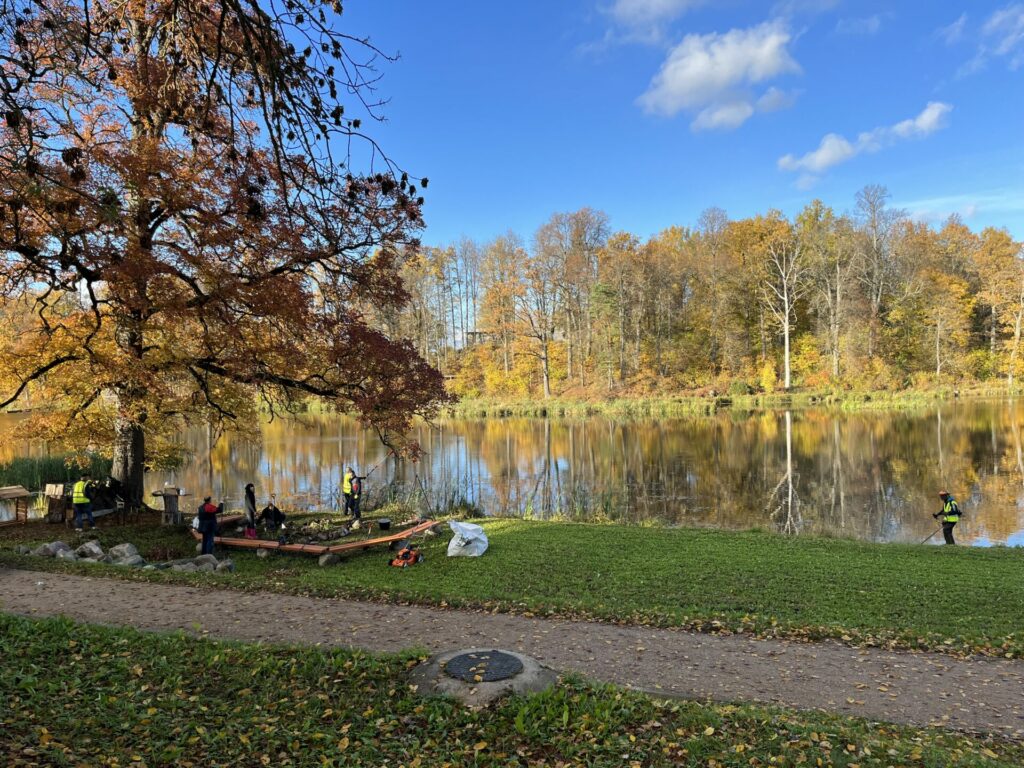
(702, 405)
(962, 600)
(85, 695)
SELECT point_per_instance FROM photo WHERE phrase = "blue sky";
(653, 110)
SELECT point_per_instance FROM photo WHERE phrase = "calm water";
(866, 475)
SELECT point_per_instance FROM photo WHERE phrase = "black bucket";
(384, 523)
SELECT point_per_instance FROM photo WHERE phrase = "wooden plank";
(314, 549)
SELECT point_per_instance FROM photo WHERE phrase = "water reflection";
(870, 476)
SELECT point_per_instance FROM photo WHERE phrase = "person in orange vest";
(352, 489)
(949, 515)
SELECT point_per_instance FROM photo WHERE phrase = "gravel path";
(978, 695)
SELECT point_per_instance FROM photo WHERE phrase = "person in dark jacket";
(208, 523)
(250, 511)
(271, 516)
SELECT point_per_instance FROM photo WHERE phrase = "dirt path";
(975, 695)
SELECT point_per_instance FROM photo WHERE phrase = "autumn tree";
(999, 264)
(172, 203)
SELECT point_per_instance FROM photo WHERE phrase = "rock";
(21, 549)
(131, 560)
(207, 567)
(106, 559)
(225, 566)
(51, 549)
(91, 549)
(123, 551)
(66, 554)
(149, 567)
(330, 558)
(185, 568)
(205, 559)
(263, 554)
(92, 560)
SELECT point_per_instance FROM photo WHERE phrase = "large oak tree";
(195, 221)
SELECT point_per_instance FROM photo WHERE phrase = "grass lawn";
(83, 695)
(962, 600)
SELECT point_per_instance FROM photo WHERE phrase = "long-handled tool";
(932, 534)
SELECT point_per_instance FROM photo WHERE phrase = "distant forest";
(870, 299)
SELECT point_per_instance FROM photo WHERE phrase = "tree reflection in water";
(865, 475)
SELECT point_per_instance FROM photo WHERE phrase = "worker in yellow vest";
(351, 489)
(949, 515)
(80, 499)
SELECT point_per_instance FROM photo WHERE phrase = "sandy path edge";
(976, 695)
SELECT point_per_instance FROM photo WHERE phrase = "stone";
(431, 677)
(202, 559)
(21, 549)
(123, 551)
(92, 560)
(91, 549)
(207, 567)
(225, 566)
(106, 559)
(263, 554)
(51, 549)
(149, 567)
(131, 560)
(331, 558)
(66, 554)
(185, 568)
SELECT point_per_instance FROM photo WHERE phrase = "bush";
(738, 388)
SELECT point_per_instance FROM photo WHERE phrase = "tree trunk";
(129, 460)
(545, 363)
(938, 349)
(785, 340)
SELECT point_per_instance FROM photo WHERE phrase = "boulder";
(131, 560)
(92, 560)
(225, 566)
(149, 567)
(123, 551)
(66, 554)
(51, 549)
(205, 559)
(207, 567)
(21, 549)
(329, 559)
(106, 558)
(91, 549)
(185, 568)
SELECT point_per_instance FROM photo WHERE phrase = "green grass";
(83, 695)
(956, 600)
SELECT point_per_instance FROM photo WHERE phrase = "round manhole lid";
(483, 666)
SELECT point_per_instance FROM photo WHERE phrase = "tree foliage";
(175, 214)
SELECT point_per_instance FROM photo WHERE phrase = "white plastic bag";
(195, 522)
(469, 540)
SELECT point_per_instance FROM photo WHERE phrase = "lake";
(866, 475)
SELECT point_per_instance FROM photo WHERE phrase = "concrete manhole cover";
(483, 666)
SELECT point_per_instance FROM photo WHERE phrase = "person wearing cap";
(949, 515)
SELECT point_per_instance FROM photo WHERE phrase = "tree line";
(868, 299)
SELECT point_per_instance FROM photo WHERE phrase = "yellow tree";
(999, 265)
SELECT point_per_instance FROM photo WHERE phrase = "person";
(250, 511)
(81, 500)
(350, 489)
(208, 523)
(271, 516)
(949, 515)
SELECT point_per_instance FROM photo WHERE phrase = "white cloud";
(954, 32)
(723, 116)
(637, 13)
(711, 73)
(835, 149)
(797, 7)
(1002, 37)
(1005, 33)
(775, 99)
(865, 26)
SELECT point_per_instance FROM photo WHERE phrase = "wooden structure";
(16, 496)
(313, 549)
(172, 511)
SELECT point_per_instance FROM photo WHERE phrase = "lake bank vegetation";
(952, 600)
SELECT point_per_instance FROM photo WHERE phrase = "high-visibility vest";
(951, 511)
(346, 485)
(78, 493)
